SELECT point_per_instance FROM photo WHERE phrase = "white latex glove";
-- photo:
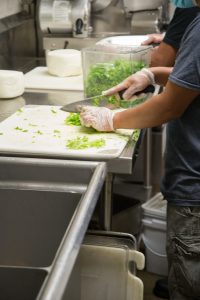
(100, 118)
(133, 84)
(154, 38)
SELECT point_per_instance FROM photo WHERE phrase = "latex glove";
(155, 38)
(133, 84)
(100, 118)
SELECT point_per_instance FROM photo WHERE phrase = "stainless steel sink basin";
(45, 209)
(32, 225)
(20, 283)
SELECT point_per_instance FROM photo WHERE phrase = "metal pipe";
(108, 202)
(147, 164)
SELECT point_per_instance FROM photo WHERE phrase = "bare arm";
(158, 110)
(163, 55)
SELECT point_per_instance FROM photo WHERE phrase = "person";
(169, 43)
(178, 106)
(165, 55)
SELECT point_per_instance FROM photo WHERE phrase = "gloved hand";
(100, 118)
(133, 84)
(154, 38)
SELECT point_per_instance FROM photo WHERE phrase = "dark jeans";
(183, 250)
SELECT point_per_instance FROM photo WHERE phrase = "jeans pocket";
(186, 265)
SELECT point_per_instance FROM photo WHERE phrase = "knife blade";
(73, 107)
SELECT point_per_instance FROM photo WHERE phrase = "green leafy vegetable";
(73, 119)
(39, 132)
(1, 133)
(18, 128)
(32, 125)
(103, 76)
(129, 103)
(21, 129)
(84, 143)
(136, 134)
(53, 111)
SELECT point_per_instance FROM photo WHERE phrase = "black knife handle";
(148, 89)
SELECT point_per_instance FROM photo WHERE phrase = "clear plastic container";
(104, 66)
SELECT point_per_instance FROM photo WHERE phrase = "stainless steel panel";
(69, 17)
(55, 16)
(20, 283)
(136, 5)
(98, 5)
(146, 22)
(45, 209)
(18, 45)
(32, 225)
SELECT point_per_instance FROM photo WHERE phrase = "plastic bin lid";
(134, 40)
(155, 207)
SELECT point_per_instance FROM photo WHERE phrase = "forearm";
(163, 55)
(160, 109)
(149, 114)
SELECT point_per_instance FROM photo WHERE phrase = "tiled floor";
(149, 280)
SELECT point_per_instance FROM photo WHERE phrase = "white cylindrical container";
(64, 62)
(11, 84)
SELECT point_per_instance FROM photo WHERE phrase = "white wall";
(9, 7)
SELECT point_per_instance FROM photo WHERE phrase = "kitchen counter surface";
(123, 164)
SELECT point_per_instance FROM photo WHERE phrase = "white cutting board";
(39, 78)
(41, 130)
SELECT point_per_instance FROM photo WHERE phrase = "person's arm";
(163, 55)
(168, 105)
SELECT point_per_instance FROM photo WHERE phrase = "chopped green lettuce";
(136, 135)
(103, 76)
(73, 119)
(84, 143)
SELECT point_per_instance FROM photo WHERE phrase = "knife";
(103, 101)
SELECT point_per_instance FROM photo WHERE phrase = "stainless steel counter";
(123, 164)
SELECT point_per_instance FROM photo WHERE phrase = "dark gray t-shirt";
(181, 183)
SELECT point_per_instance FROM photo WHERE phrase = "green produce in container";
(103, 76)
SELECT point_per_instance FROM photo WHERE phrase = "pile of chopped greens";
(73, 119)
(103, 76)
(84, 143)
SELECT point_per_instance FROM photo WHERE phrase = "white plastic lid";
(156, 206)
(124, 40)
